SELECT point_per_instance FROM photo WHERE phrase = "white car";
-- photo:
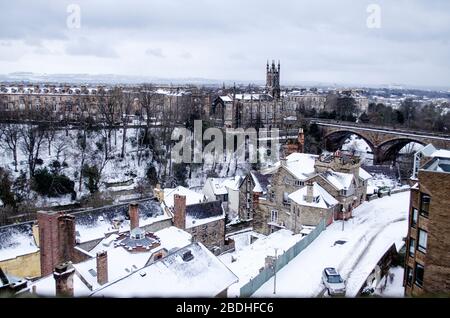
(333, 282)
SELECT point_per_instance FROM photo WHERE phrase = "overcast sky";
(317, 40)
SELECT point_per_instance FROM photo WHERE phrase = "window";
(274, 216)
(412, 247)
(299, 183)
(414, 216)
(225, 197)
(286, 198)
(419, 275)
(409, 275)
(424, 204)
(423, 237)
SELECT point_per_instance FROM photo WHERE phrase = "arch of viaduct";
(385, 143)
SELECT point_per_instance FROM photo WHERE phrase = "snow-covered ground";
(248, 258)
(392, 284)
(375, 226)
(380, 181)
(392, 233)
(64, 148)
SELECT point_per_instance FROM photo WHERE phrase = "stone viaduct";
(385, 142)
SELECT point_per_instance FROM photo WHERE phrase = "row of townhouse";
(99, 103)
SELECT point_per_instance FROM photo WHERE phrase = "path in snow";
(302, 276)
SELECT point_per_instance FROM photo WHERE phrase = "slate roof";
(204, 210)
(147, 209)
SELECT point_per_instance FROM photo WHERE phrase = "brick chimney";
(102, 267)
(56, 239)
(133, 211)
(66, 233)
(63, 275)
(309, 192)
(179, 217)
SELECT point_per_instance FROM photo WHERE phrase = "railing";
(256, 282)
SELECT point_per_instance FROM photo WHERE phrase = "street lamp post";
(343, 218)
(275, 273)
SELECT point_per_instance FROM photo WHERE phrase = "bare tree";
(126, 105)
(60, 146)
(107, 109)
(32, 138)
(9, 140)
(149, 103)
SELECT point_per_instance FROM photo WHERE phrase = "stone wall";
(211, 234)
(436, 260)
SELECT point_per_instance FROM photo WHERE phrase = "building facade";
(427, 264)
(273, 80)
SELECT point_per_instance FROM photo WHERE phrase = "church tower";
(273, 79)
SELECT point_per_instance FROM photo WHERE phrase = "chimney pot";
(309, 192)
(63, 275)
(102, 267)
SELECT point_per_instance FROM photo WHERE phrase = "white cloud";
(325, 40)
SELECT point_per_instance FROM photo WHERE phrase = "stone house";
(287, 176)
(342, 177)
(310, 205)
(341, 185)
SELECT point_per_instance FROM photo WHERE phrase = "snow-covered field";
(64, 148)
(376, 225)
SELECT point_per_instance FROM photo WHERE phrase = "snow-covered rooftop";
(177, 275)
(220, 186)
(192, 197)
(442, 153)
(93, 224)
(300, 165)
(16, 240)
(340, 180)
(363, 174)
(257, 187)
(120, 262)
(203, 213)
(322, 199)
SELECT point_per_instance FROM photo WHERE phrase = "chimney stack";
(179, 218)
(66, 233)
(133, 212)
(309, 192)
(56, 239)
(102, 267)
(63, 275)
(48, 240)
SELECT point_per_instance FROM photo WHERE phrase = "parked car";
(333, 281)
(382, 191)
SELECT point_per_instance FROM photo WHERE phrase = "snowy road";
(352, 251)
